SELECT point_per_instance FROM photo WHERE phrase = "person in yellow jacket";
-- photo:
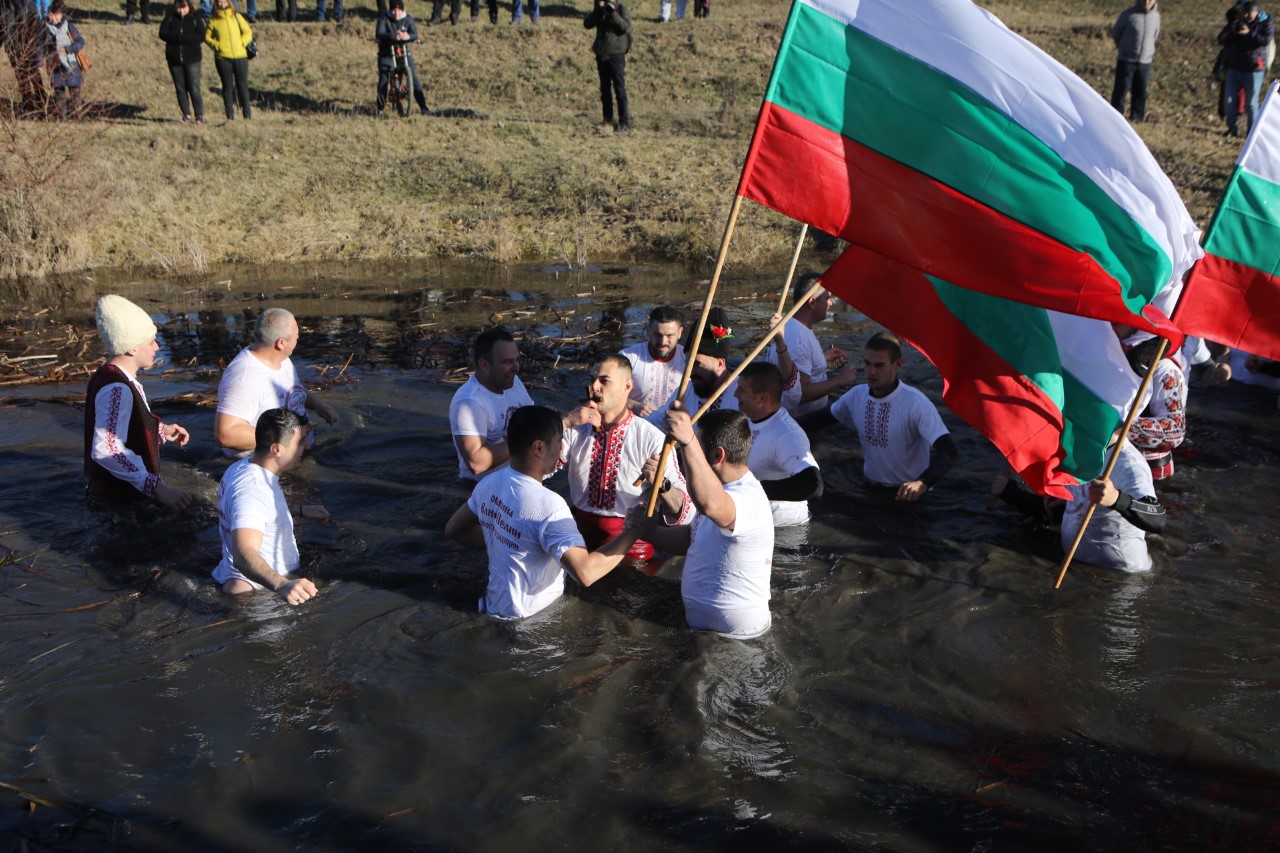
(229, 35)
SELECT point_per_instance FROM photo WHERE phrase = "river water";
(923, 686)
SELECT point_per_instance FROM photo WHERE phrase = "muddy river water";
(923, 686)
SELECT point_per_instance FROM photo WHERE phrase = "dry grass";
(516, 166)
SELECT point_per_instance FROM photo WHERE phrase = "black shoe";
(475, 18)
(424, 111)
(129, 19)
(434, 21)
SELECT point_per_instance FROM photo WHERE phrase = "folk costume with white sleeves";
(603, 465)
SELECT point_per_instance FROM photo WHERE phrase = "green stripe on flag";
(1022, 336)
(1246, 226)
(854, 85)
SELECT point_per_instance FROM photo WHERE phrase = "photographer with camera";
(396, 27)
(612, 24)
(1244, 43)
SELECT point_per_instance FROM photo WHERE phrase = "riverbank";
(514, 164)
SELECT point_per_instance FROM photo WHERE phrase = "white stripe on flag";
(1261, 153)
(1091, 352)
(975, 48)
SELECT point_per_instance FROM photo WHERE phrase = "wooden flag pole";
(692, 352)
(791, 273)
(1115, 456)
(759, 348)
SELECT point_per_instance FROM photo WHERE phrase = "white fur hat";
(122, 325)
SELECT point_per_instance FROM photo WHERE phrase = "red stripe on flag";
(815, 175)
(1233, 304)
(977, 384)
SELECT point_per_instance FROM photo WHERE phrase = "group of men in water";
(745, 470)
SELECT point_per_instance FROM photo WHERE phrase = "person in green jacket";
(612, 24)
(229, 35)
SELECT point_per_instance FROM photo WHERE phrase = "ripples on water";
(922, 687)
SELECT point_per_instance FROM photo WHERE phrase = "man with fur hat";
(122, 437)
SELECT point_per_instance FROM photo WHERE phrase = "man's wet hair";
(886, 342)
(664, 314)
(619, 361)
(803, 284)
(275, 426)
(729, 429)
(487, 340)
(273, 324)
(763, 377)
(532, 423)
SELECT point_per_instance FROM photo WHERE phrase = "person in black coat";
(183, 33)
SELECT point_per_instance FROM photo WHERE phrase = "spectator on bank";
(21, 34)
(336, 16)
(229, 34)
(287, 10)
(397, 27)
(132, 8)
(183, 33)
(1135, 33)
(61, 49)
(1245, 40)
(612, 24)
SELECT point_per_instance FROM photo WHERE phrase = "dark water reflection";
(922, 688)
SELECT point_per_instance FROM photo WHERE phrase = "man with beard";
(658, 363)
(262, 377)
(710, 369)
(609, 464)
(481, 408)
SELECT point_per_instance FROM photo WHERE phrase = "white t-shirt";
(896, 431)
(476, 410)
(780, 449)
(604, 465)
(726, 573)
(1240, 373)
(791, 390)
(1110, 541)
(527, 530)
(654, 382)
(249, 387)
(250, 497)
(809, 358)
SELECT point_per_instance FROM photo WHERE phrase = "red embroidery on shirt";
(877, 423)
(113, 430)
(602, 476)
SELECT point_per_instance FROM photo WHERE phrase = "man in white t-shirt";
(658, 363)
(905, 445)
(606, 461)
(807, 354)
(254, 522)
(481, 407)
(780, 456)
(527, 529)
(262, 377)
(729, 546)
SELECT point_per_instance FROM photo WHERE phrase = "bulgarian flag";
(1047, 388)
(1233, 295)
(931, 134)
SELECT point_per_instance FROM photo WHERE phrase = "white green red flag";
(1233, 295)
(1047, 388)
(931, 134)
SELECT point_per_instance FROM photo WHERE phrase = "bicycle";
(399, 88)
